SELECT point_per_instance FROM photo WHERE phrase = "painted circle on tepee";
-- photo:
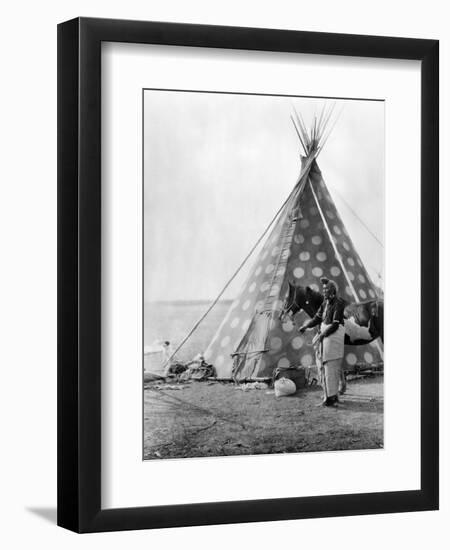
(313, 211)
(264, 254)
(330, 214)
(348, 291)
(258, 270)
(234, 304)
(281, 270)
(225, 341)
(265, 286)
(346, 245)
(284, 363)
(317, 271)
(306, 360)
(275, 250)
(270, 268)
(351, 358)
(297, 342)
(245, 305)
(314, 287)
(259, 305)
(371, 293)
(368, 357)
(234, 323)
(351, 261)
(288, 326)
(304, 224)
(350, 276)
(299, 272)
(299, 238)
(321, 256)
(316, 239)
(361, 278)
(252, 287)
(335, 271)
(275, 343)
(337, 229)
(363, 294)
(304, 256)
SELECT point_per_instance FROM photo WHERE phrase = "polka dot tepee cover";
(251, 341)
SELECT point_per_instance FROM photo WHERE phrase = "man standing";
(330, 317)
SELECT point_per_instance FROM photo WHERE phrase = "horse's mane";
(315, 293)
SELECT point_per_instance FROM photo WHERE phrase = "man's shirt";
(331, 311)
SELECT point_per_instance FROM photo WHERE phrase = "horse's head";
(298, 298)
(290, 306)
(312, 299)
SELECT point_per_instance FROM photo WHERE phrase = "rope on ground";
(194, 432)
(201, 409)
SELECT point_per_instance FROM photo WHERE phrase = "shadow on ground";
(47, 514)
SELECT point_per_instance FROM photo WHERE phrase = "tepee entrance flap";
(247, 357)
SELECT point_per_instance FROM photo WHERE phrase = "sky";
(217, 167)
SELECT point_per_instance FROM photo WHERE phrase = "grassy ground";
(220, 419)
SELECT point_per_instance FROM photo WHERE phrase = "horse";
(369, 314)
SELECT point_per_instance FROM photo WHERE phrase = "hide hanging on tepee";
(308, 241)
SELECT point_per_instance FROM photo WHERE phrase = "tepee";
(308, 240)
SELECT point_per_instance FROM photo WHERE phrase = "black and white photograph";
(225, 261)
(263, 274)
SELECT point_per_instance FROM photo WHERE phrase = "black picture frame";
(79, 274)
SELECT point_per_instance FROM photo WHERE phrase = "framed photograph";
(248, 275)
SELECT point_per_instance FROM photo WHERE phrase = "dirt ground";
(220, 419)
